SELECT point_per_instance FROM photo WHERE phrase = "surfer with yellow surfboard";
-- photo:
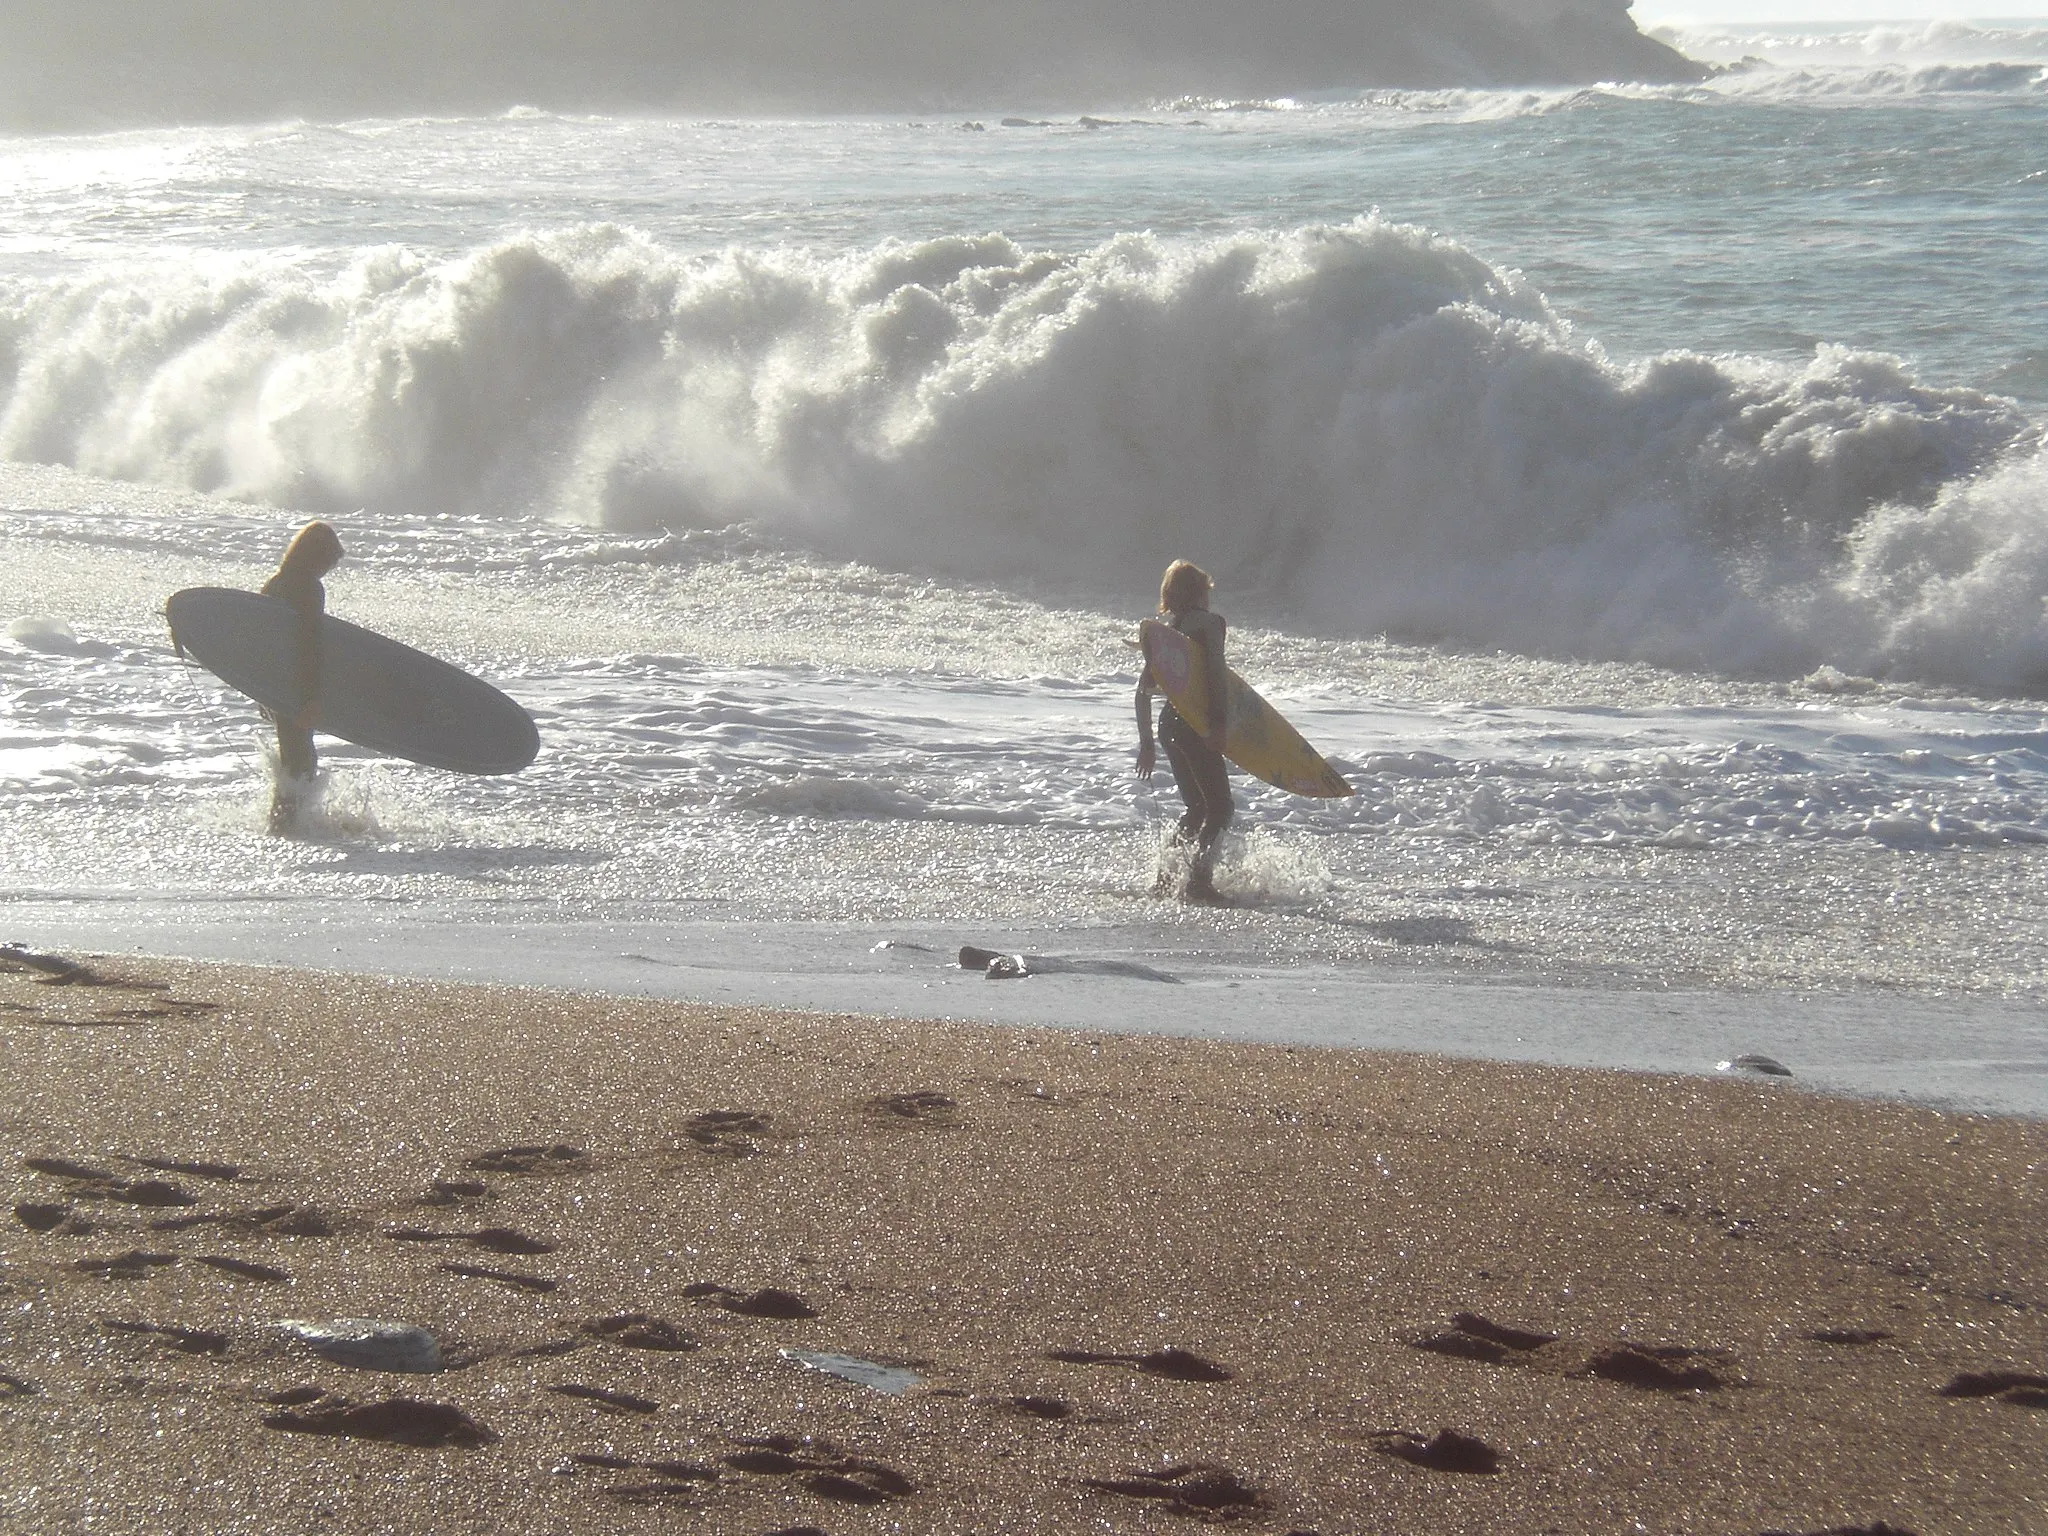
(1195, 755)
(1211, 713)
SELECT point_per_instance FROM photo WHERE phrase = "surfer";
(314, 551)
(1196, 758)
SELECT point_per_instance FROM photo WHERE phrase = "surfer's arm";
(1147, 755)
(1213, 675)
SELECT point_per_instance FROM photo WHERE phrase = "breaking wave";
(1365, 425)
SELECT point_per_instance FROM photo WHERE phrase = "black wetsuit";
(1199, 772)
(297, 761)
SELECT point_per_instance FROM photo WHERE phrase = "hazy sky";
(1651, 13)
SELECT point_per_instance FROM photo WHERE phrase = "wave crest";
(1364, 425)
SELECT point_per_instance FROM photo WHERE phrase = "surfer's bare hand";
(1146, 757)
(303, 720)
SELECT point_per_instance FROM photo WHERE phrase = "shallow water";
(1663, 570)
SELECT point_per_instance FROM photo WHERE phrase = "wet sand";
(1142, 1282)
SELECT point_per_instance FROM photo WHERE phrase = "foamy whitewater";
(1639, 493)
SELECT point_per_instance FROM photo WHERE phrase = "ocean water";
(1638, 493)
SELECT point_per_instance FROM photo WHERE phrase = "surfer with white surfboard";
(1195, 755)
(309, 671)
(314, 551)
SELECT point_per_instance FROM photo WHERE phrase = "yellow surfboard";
(1256, 736)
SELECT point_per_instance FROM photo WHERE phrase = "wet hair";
(1184, 584)
(315, 548)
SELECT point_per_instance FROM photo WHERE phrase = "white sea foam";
(1857, 62)
(1852, 45)
(1362, 421)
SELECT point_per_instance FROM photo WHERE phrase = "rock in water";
(1750, 1061)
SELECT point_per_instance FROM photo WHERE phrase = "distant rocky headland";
(82, 65)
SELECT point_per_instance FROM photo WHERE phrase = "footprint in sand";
(124, 1018)
(490, 1239)
(638, 1330)
(1039, 1407)
(245, 1269)
(186, 1341)
(1662, 1369)
(1658, 1368)
(606, 1401)
(821, 1468)
(2022, 1389)
(42, 1217)
(642, 1495)
(455, 1191)
(395, 1420)
(1445, 1451)
(547, 1349)
(506, 1277)
(225, 1173)
(1472, 1337)
(266, 1221)
(674, 1481)
(770, 1301)
(292, 1221)
(50, 970)
(680, 1471)
(88, 1183)
(1173, 1363)
(1199, 1490)
(919, 1104)
(557, 1158)
(728, 1132)
(132, 1265)
(64, 1168)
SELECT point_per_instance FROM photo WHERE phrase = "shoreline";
(1756, 1298)
(1958, 1054)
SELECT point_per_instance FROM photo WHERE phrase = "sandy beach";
(1124, 1283)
